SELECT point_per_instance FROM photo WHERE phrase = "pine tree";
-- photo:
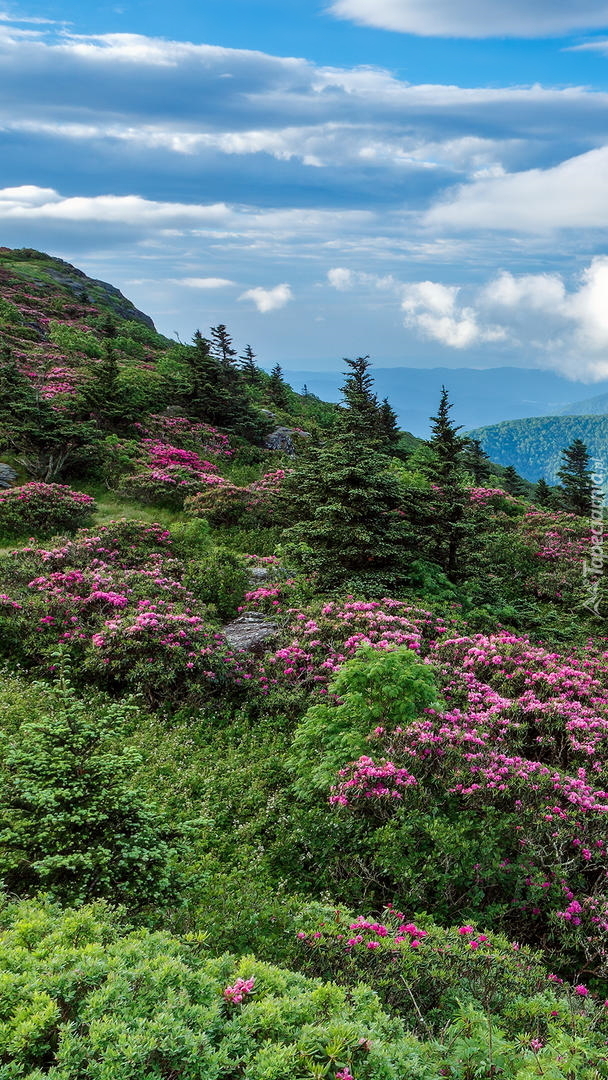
(218, 394)
(277, 388)
(221, 344)
(102, 395)
(250, 371)
(349, 526)
(576, 489)
(444, 469)
(476, 461)
(512, 482)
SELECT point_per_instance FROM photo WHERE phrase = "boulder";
(250, 632)
(7, 475)
(281, 439)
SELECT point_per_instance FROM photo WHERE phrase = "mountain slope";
(533, 446)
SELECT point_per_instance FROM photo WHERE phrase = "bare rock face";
(250, 632)
(7, 475)
(281, 439)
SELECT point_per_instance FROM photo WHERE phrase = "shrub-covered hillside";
(304, 723)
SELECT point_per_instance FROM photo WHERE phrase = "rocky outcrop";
(250, 633)
(282, 439)
(7, 475)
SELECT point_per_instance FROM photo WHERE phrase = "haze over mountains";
(480, 397)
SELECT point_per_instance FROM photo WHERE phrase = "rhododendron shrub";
(167, 475)
(187, 434)
(257, 505)
(426, 973)
(86, 997)
(43, 510)
(501, 802)
(115, 601)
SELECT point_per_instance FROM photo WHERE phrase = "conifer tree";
(476, 461)
(543, 494)
(250, 370)
(349, 526)
(73, 823)
(361, 413)
(218, 392)
(512, 482)
(576, 489)
(444, 469)
(277, 388)
(221, 344)
(388, 423)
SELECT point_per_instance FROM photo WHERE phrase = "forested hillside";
(304, 723)
(533, 446)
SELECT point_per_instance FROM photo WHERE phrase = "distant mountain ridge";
(534, 445)
(480, 398)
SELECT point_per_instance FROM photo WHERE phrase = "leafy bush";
(72, 822)
(85, 999)
(220, 579)
(43, 510)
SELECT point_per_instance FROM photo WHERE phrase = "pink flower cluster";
(241, 989)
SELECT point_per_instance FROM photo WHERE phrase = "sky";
(424, 181)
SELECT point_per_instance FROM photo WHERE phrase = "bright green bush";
(220, 579)
(73, 823)
(374, 688)
(84, 999)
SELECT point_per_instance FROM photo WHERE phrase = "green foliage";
(349, 527)
(374, 688)
(9, 313)
(84, 999)
(534, 445)
(220, 579)
(73, 823)
(70, 339)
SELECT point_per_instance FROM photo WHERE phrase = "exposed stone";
(7, 475)
(250, 632)
(281, 439)
(258, 574)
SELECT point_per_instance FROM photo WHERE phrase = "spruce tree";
(476, 461)
(73, 822)
(444, 469)
(277, 388)
(361, 413)
(221, 344)
(512, 482)
(576, 489)
(218, 394)
(349, 526)
(249, 369)
(543, 495)
(388, 424)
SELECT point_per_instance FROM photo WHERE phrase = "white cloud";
(204, 282)
(269, 299)
(433, 310)
(571, 195)
(476, 18)
(340, 278)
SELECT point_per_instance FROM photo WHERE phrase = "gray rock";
(258, 574)
(7, 475)
(281, 439)
(250, 632)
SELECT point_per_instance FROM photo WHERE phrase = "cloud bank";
(476, 18)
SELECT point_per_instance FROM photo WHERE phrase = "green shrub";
(72, 822)
(84, 999)
(43, 510)
(220, 579)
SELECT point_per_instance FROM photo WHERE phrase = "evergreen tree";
(73, 822)
(389, 426)
(349, 527)
(444, 469)
(277, 388)
(576, 489)
(543, 494)
(476, 461)
(304, 391)
(250, 371)
(101, 394)
(512, 482)
(221, 345)
(218, 393)
(361, 413)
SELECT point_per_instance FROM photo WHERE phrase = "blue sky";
(422, 180)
